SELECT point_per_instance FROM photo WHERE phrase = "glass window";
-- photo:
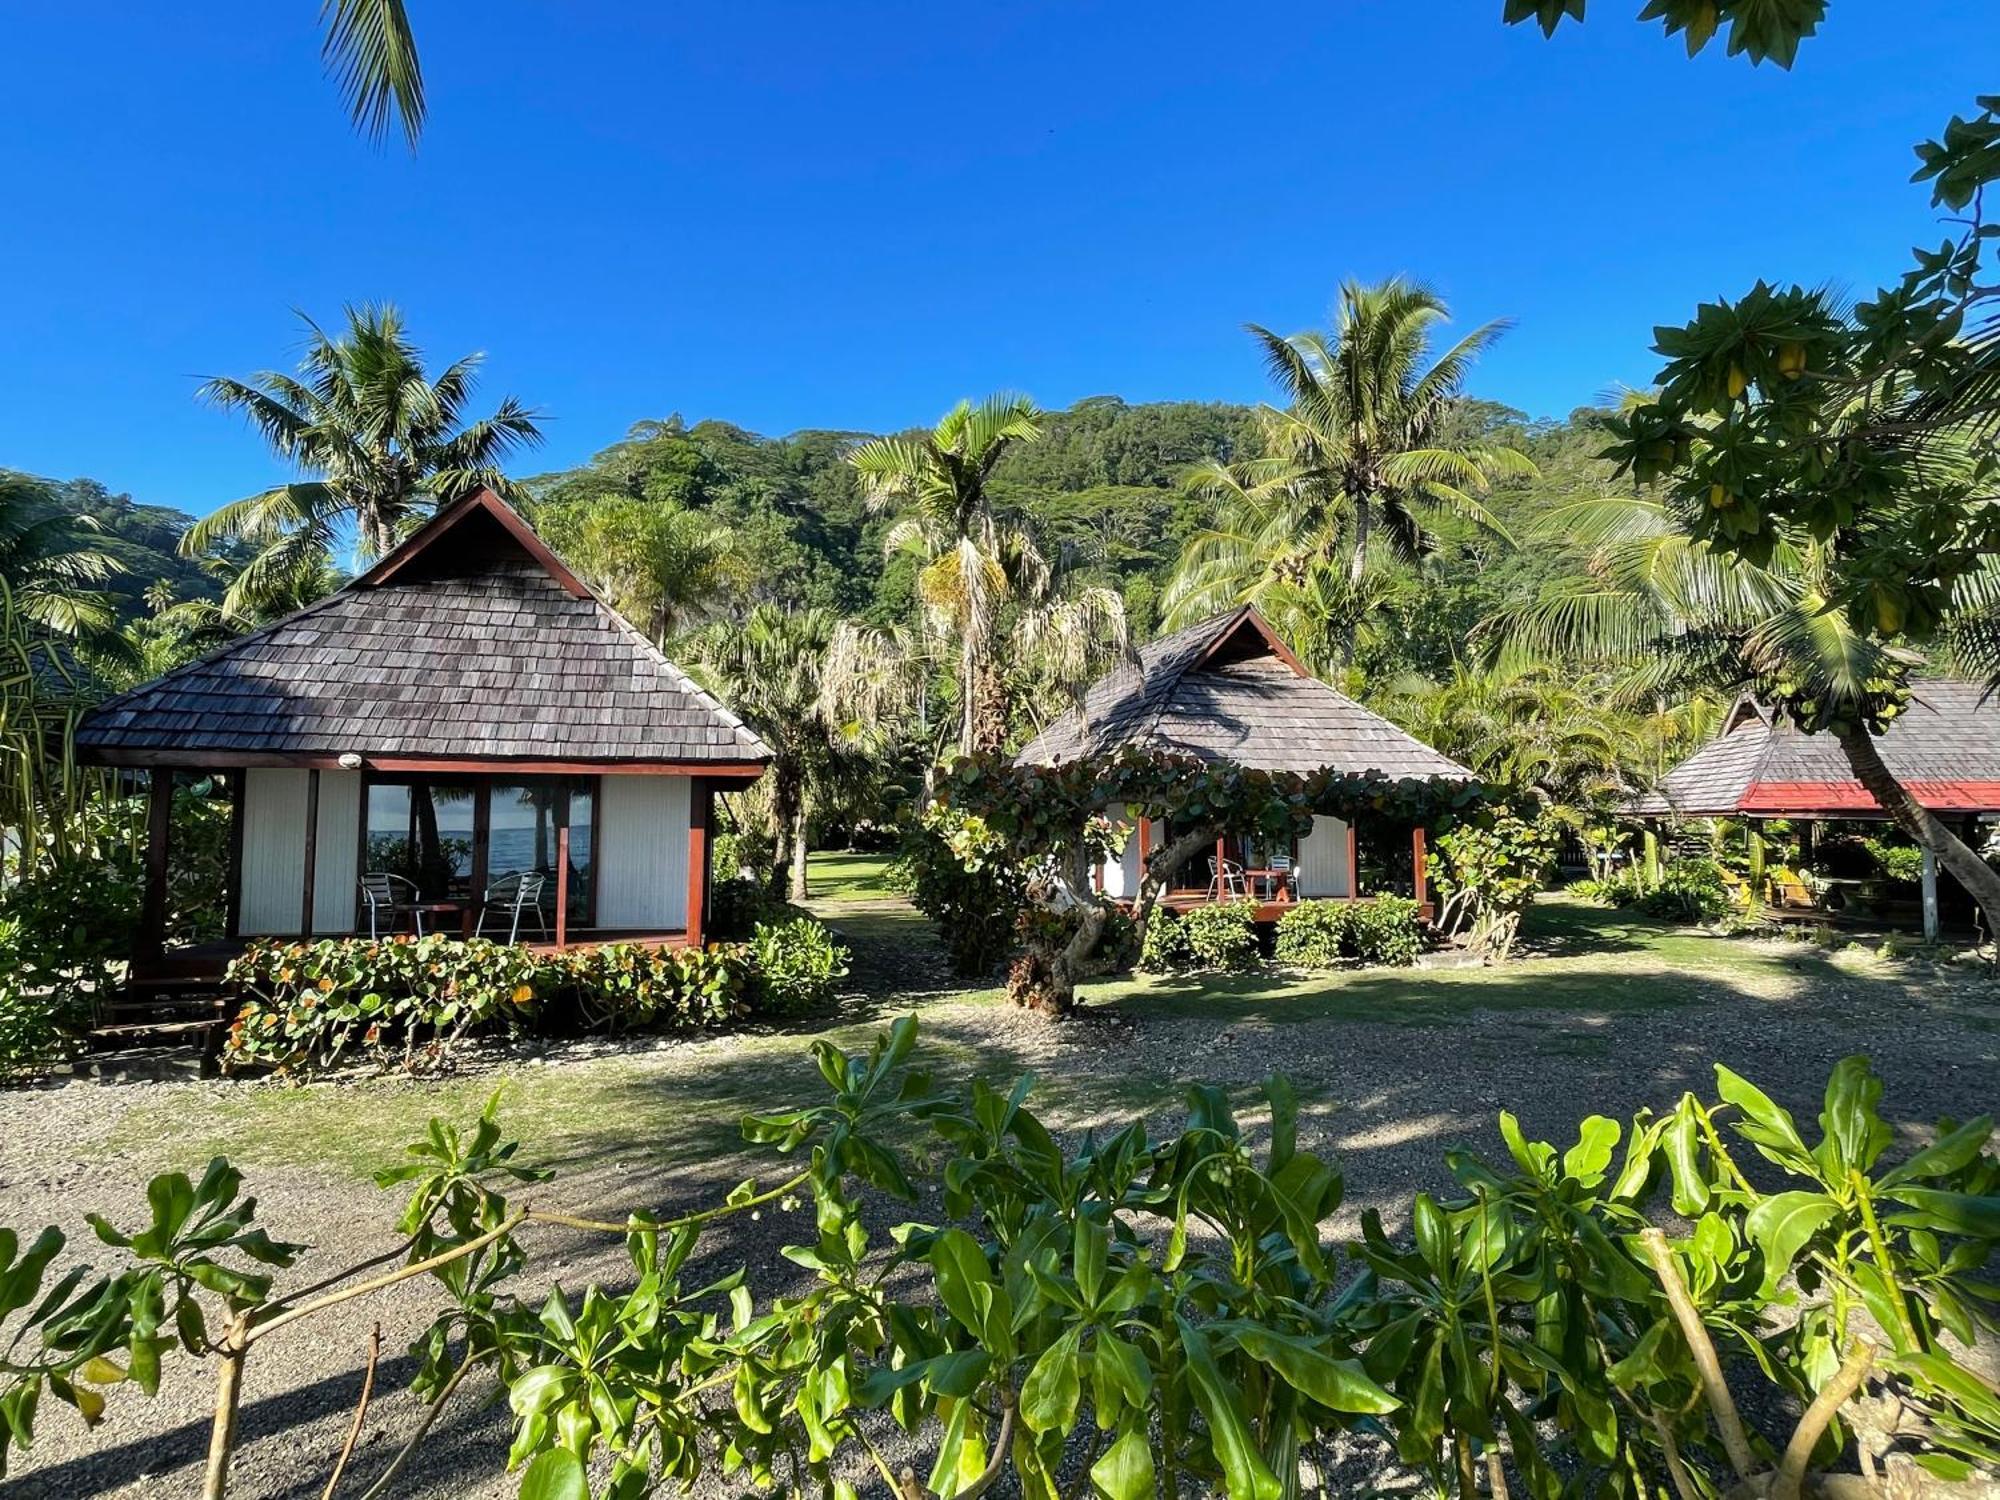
(423, 831)
(525, 833)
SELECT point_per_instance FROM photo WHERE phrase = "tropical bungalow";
(1228, 689)
(463, 739)
(1945, 748)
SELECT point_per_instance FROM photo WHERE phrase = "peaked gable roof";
(1228, 689)
(1945, 747)
(469, 642)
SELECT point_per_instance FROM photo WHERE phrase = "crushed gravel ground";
(1384, 1093)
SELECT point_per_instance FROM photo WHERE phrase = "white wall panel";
(642, 870)
(274, 851)
(1323, 859)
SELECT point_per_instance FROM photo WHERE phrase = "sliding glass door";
(453, 838)
(526, 834)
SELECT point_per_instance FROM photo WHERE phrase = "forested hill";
(1102, 485)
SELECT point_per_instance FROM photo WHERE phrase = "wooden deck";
(1268, 910)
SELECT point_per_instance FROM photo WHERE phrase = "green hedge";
(1325, 934)
(310, 1006)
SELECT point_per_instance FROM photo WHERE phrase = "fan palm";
(51, 563)
(662, 565)
(1360, 451)
(1678, 615)
(976, 573)
(385, 442)
(808, 683)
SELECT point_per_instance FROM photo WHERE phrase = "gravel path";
(1385, 1095)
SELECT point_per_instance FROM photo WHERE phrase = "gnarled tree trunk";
(1980, 879)
(1162, 865)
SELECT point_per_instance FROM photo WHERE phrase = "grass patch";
(836, 875)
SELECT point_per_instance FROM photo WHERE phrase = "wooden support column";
(1353, 864)
(159, 826)
(1145, 849)
(701, 814)
(312, 854)
(1221, 886)
(1930, 897)
(1419, 867)
(562, 882)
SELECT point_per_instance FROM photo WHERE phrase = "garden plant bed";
(1392, 1067)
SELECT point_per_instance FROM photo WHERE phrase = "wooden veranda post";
(1419, 868)
(312, 855)
(1931, 925)
(701, 813)
(562, 883)
(159, 826)
(1353, 864)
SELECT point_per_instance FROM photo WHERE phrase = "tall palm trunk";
(800, 816)
(1980, 879)
(1357, 568)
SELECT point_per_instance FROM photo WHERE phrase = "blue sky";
(803, 214)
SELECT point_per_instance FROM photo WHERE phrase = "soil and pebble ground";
(1607, 1015)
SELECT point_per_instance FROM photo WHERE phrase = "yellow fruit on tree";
(1738, 382)
(1792, 360)
(1888, 612)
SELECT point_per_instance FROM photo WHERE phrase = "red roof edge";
(483, 499)
(1800, 798)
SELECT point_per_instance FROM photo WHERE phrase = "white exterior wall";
(274, 851)
(1323, 859)
(642, 867)
(1123, 875)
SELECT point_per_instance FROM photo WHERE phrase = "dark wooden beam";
(159, 826)
(210, 760)
(562, 881)
(238, 788)
(1353, 864)
(312, 854)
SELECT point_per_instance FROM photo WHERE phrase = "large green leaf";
(1950, 1153)
(1765, 1125)
(1596, 1138)
(1854, 1133)
(555, 1475)
(1338, 1384)
(1244, 1471)
(1125, 1472)
(1050, 1394)
(1950, 1213)
(1781, 1225)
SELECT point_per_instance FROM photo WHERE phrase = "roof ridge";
(1150, 721)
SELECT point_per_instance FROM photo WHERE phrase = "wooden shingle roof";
(1229, 690)
(1945, 747)
(470, 642)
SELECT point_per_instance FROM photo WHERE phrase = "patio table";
(441, 913)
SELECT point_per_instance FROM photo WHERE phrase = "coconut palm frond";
(372, 52)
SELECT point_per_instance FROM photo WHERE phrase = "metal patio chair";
(387, 899)
(513, 896)
(1226, 880)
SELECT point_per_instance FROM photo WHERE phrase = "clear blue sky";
(804, 214)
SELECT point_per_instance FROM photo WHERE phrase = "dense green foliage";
(1323, 934)
(1172, 1305)
(410, 1002)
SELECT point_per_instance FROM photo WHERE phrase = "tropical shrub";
(798, 966)
(1689, 890)
(1316, 934)
(1164, 949)
(621, 987)
(1118, 942)
(1488, 873)
(1901, 863)
(1222, 936)
(962, 882)
(1538, 1317)
(1385, 930)
(1597, 892)
(410, 1002)
(31, 1040)
(76, 919)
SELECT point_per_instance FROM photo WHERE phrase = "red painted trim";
(1420, 866)
(439, 525)
(701, 813)
(1803, 798)
(1353, 864)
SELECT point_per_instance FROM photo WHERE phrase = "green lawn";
(836, 875)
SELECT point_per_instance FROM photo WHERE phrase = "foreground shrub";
(798, 966)
(1165, 949)
(1537, 1315)
(1385, 930)
(624, 987)
(31, 1035)
(1223, 936)
(1316, 934)
(1488, 874)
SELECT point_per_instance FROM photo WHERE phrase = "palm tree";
(661, 564)
(982, 581)
(370, 47)
(1678, 615)
(1358, 452)
(386, 444)
(50, 562)
(811, 686)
